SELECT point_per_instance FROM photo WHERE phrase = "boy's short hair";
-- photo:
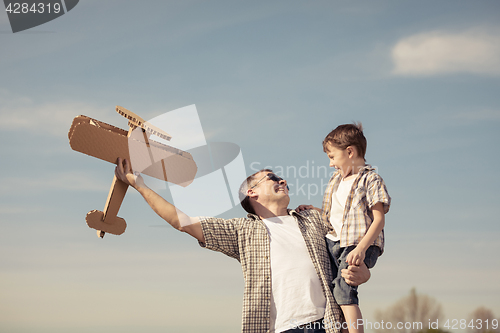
(347, 135)
(244, 198)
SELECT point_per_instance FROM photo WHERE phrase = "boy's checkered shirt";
(367, 189)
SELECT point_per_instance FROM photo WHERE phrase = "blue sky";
(274, 78)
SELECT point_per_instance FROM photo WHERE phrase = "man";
(282, 253)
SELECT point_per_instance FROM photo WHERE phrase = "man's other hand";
(305, 207)
(356, 275)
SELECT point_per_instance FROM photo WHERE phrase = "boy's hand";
(305, 207)
(356, 256)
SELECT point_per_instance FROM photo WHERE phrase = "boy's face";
(340, 159)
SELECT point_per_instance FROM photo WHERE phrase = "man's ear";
(251, 193)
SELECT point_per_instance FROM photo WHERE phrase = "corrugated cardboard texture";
(135, 120)
(115, 225)
(107, 142)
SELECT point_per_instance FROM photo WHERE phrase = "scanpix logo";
(221, 168)
(26, 14)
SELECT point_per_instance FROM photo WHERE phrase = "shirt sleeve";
(221, 235)
(377, 192)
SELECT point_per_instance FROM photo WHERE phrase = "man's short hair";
(244, 198)
(347, 135)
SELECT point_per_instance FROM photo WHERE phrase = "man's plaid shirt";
(247, 240)
(367, 189)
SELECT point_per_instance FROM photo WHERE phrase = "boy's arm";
(356, 256)
(163, 208)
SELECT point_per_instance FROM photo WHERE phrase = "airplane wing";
(106, 142)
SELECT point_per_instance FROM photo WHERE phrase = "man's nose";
(282, 181)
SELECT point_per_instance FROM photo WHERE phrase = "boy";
(354, 204)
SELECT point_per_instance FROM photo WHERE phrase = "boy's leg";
(334, 251)
(344, 294)
(352, 313)
(353, 317)
(347, 296)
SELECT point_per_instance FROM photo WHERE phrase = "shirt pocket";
(359, 197)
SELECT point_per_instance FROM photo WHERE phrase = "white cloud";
(21, 113)
(437, 52)
(69, 181)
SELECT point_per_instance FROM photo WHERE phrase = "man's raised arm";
(163, 208)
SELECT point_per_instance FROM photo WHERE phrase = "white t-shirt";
(339, 199)
(297, 296)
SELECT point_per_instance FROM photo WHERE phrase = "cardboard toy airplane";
(107, 142)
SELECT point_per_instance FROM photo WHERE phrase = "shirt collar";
(365, 168)
(256, 217)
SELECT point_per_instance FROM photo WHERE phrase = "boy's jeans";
(345, 294)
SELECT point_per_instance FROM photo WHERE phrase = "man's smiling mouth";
(279, 188)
